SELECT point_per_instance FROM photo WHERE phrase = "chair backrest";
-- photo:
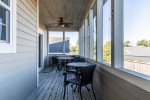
(79, 59)
(55, 60)
(87, 74)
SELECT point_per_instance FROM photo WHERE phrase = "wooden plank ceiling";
(71, 10)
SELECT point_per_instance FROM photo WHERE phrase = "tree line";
(107, 48)
(144, 43)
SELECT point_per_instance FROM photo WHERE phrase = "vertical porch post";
(64, 42)
(86, 37)
(117, 33)
(99, 30)
(83, 40)
(47, 47)
(91, 24)
(80, 42)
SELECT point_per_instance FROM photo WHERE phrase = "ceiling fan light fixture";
(63, 25)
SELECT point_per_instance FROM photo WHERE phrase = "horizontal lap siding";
(18, 71)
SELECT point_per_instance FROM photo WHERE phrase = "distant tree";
(127, 44)
(142, 43)
(148, 43)
(74, 50)
(107, 51)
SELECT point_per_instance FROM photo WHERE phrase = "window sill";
(140, 80)
(136, 73)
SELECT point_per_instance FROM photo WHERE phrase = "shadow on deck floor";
(51, 88)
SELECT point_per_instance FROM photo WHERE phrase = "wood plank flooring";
(51, 88)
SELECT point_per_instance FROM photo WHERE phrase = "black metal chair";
(55, 62)
(86, 77)
(76, 59)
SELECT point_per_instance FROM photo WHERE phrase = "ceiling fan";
(60, 23)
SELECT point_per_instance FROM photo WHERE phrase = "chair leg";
(65, 84)
(72, 85)
(64, 91)
(58, 67)
(93, 91)
(87, 88)
(80, 93)
(75, 89)
(78, 89)
(52, 67)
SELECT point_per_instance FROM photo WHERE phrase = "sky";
(136, 20)
(107, 21)
(72, 35)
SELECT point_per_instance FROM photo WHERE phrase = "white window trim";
(99, 30)
(91, 27)
(138, 79)
(11, 47)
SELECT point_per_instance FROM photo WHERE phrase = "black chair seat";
(84, 78)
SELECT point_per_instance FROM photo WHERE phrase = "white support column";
(47, 36)
(80, 41)
(88, 47)
(99, 30)
(118, 34)
(64, 42)
(86, 37)
(91, 24)
(83, 41)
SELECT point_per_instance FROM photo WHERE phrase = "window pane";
(88, 38)
(4, 24)
(71, 43)
(107, 31)
(7, 2)
(56, 42)
(137, 35)
(95, 44)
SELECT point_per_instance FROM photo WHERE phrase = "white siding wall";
(18, 71)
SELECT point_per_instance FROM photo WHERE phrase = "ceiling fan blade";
(61, 23)
(69, 23)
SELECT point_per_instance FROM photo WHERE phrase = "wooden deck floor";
(51, 88)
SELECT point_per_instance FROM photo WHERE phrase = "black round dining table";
(79, 64)
(65, 59)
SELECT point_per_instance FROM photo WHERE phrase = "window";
(95, 36)
(7, 2)
(107, 31)
(71, 43)
(56, 42)
(88, 37)
(4, 24)
(137, 35)
(7, 26)
(67, 43)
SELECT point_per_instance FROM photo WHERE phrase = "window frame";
(10, 47)
(63, 37)
(116, 68)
